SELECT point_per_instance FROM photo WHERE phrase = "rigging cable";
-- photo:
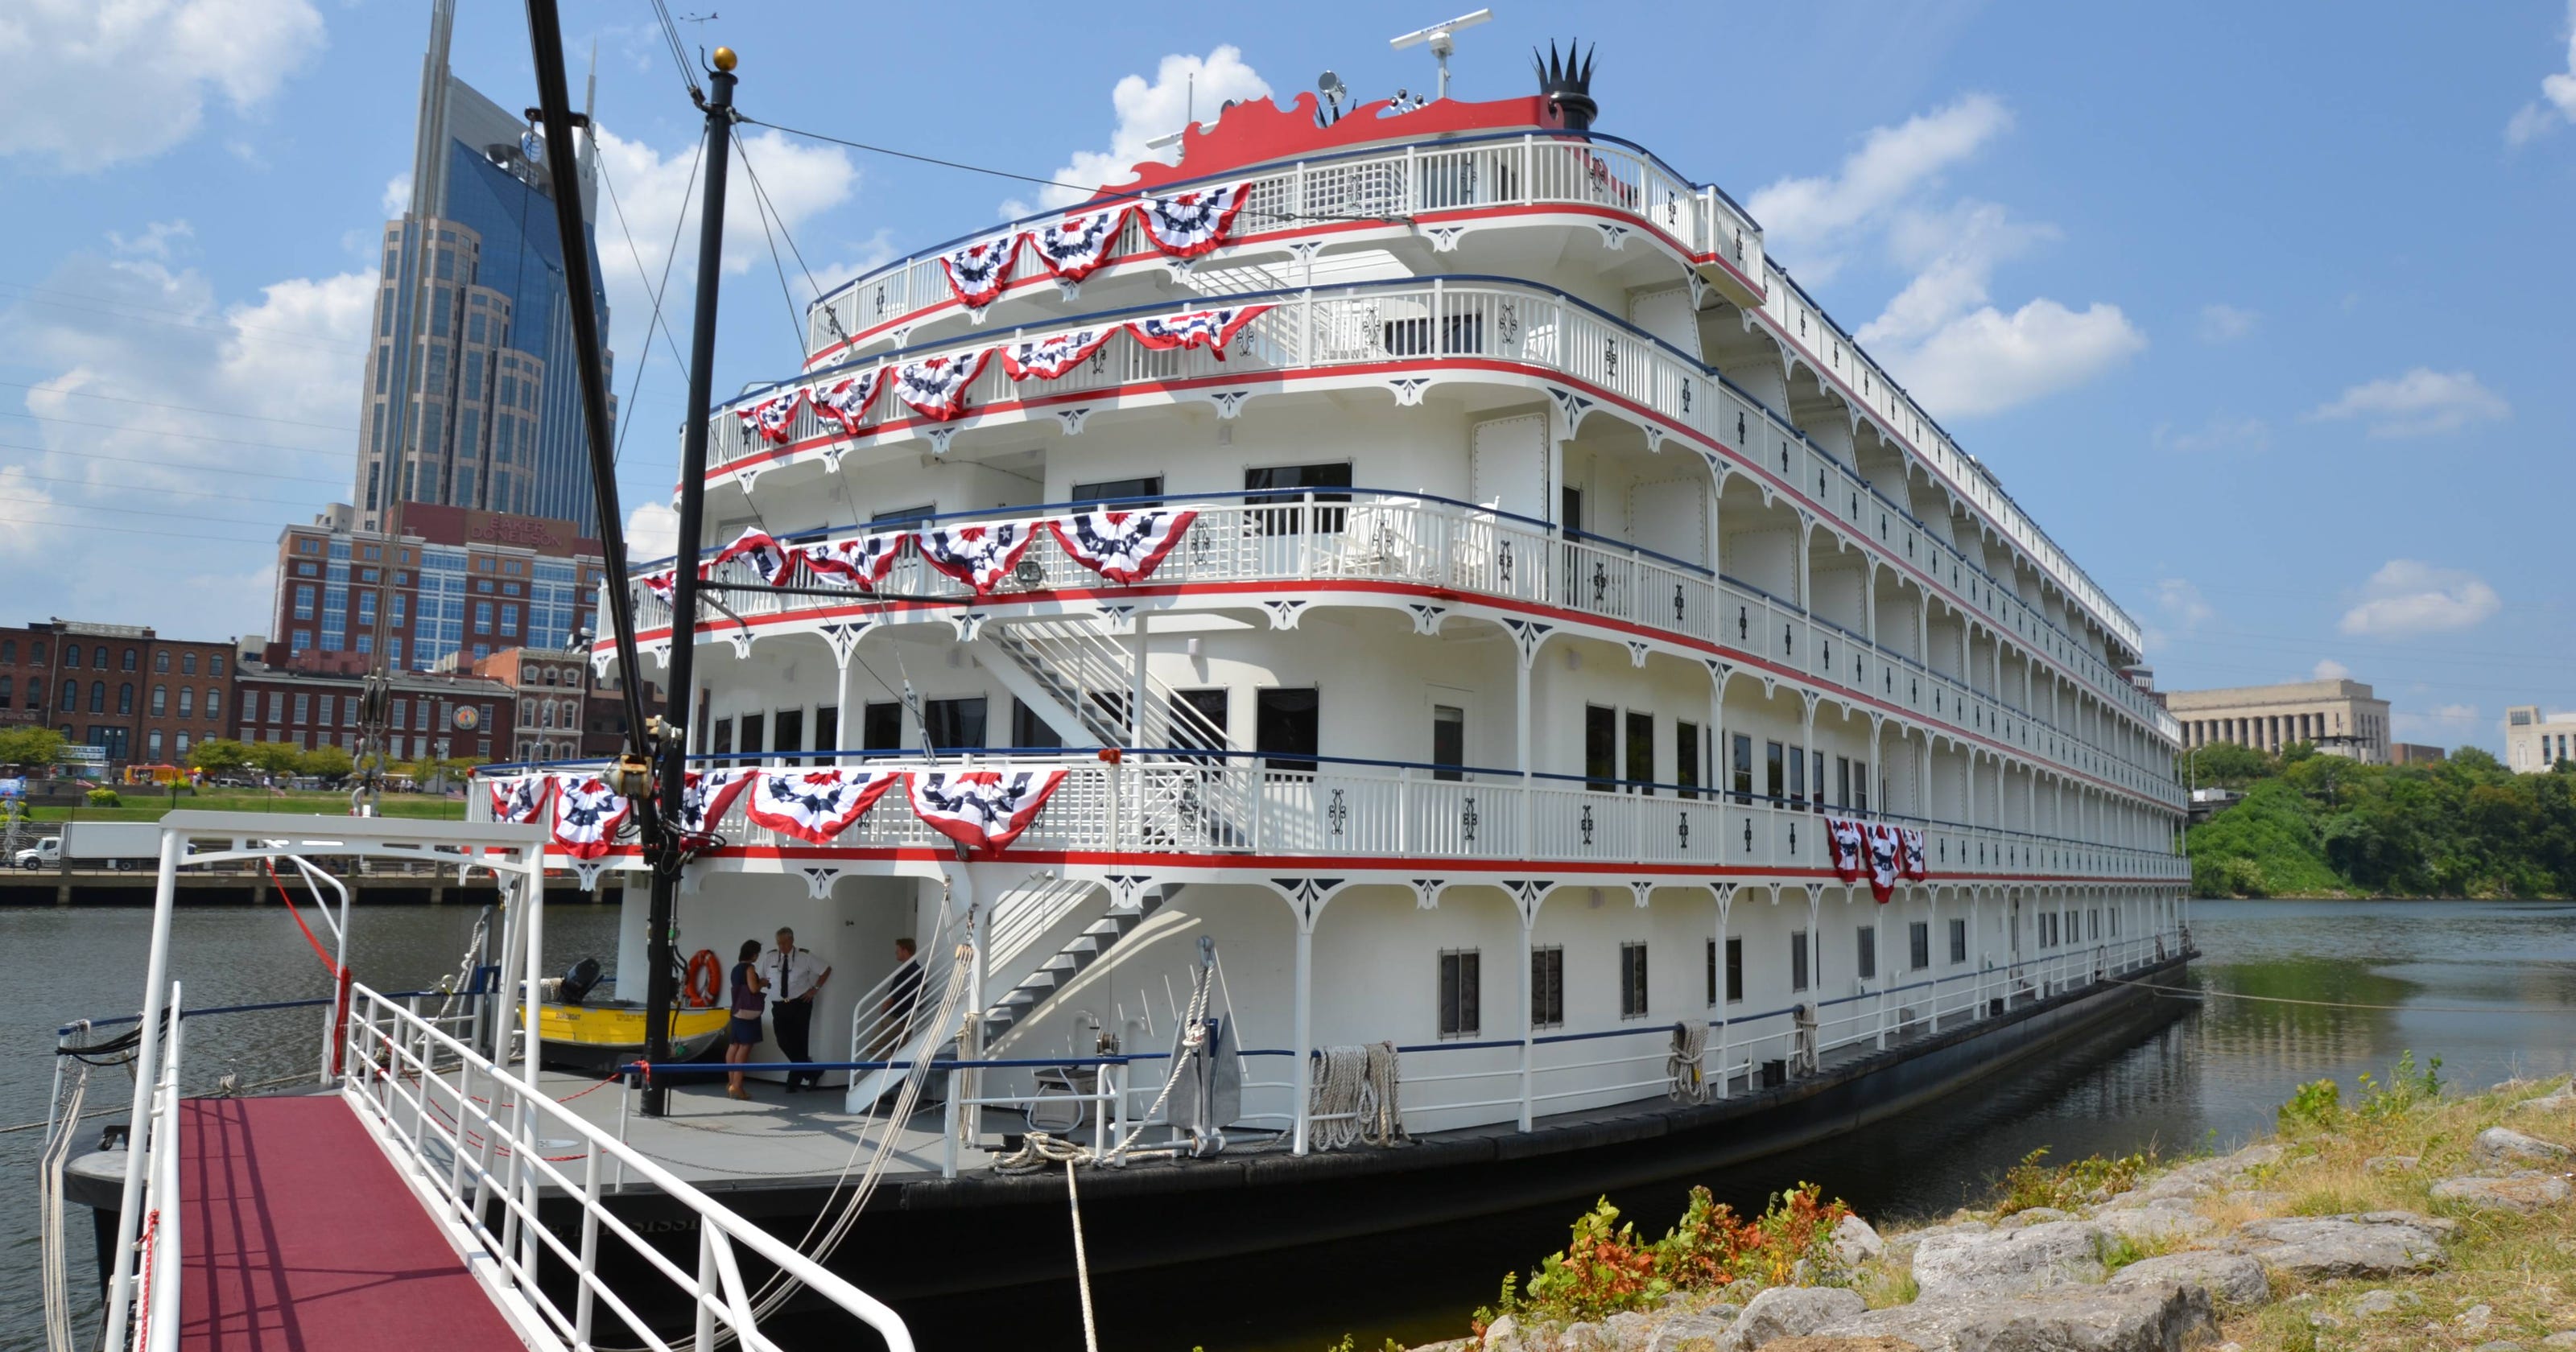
(2344, 1004)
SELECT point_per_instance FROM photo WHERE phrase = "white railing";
(1516, 323)
(1158, 804)
(470, 1135)
(1456, 546)
(153, 1267)
(1386, 185)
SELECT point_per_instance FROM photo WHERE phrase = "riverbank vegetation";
(2389, 1215)
(2312, 825)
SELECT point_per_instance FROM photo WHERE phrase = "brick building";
(458, 586)
(139, 698)
(430, 713)
(565, 710)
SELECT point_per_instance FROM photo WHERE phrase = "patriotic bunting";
(981, 809)
(1194, 223)
(587, 815)
(1884, 869)
(1121, 546)
(979, 271)
(979, 556)
(1850, 854)
(1047, 358)
(1072, 247)
(935, 387)
(845, 402)
(815, 805)
(1210, 329)
(861, 563)
(774, 418)
(768, 558)
(660, 582)
(519, 798)
(705, 794)
(1909, 863)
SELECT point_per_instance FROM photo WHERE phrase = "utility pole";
(659, 953)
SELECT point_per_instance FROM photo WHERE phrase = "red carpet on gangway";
(300, 1237)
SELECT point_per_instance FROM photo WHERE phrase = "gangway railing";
(481, 1161)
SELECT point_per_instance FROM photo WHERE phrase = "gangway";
(395, 1205)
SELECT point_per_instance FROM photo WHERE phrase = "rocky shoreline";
(2409, 1219)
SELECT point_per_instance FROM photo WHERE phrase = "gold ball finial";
(724, 58)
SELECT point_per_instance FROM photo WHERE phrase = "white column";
(1725, 904)
(1529, 921)
(1305, 1032)
(147, 1056)
(1136, 697)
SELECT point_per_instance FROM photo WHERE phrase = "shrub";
(2030, 1184)
(2314, 1104)
(1600, 1272)
(103, 798)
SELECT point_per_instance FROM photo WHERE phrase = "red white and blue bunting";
(587, 815)
(773, 418)
(1049, 357)
(979, 271)
(519, 798)
(861, 563)
(1071, 248)
(768, 558)
(1210, 329)
(979, 556)
(1194, 223)
(815, 806)
(983, 810)
(1881, 853)
(935, 387)
(705, 794)
(660, 582)
(845, 402)
(1122, 546)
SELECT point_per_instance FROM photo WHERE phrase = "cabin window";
(955, 722)
(1287, 724)
(1282, 488)
(1200, 718)
(1798, 960)
(1797, 776)
(1735, 971)
(1918, 945)
(1632, 981)
(751, 737)
(1029, 731)
(1461, 992)
(723, 734)
(827, 727)
(1127, 493)
(1867, 960)
(905, 516)
(1686, 758)
(2093, 925)
(1842, 781)
(1547, 987)
(790, 732)
(1775, 771)
(1816, 796)
(881, 727)
(1742, 760)
(1641, 753)
(1860, 786)
(1958, 941)
(1600, 747)
(1448, 742)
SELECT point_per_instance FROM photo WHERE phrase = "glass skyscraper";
(472, 392)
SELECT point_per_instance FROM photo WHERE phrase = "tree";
(2225, 765)
(325, 762)
(277, 758)
(31, 746)
(219, 756)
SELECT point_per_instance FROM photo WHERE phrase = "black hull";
(932, 1240)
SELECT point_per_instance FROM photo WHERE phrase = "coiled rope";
(1353, 1098)
(1045, 1148)
(1690, 1083)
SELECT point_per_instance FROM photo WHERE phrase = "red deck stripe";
(301, 1238)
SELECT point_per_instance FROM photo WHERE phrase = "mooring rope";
(2347, 1004)
(1690, 1083)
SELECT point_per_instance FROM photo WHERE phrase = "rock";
(2475, 1318)
(1856, 1243)
(2010, 1262)
(2498, 1345)
(1788, 1311)
(2389, 1164)
(2527, 1190)
(1817, 1342)
(1451, 1345)
(2560, 1102)
(2504, 1145)
(2259, 1156)
(2038, 1215)
(2161, 1318)
(2324, 1319)
(2231, 1278)
(2562, 1338)
(1503, 1335)
(2374, 1303)
(2318, 1248)
(1586, 1336)
(2155, 1224)
(1630, 1329)
(1693, 1333)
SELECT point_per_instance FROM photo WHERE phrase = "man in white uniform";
(794, 975)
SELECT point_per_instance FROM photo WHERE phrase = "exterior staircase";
(1078, 954)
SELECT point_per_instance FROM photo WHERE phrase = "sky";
(2260, 310)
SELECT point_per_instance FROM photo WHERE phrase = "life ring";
(700, 989)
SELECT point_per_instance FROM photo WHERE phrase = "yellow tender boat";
(601, 1035)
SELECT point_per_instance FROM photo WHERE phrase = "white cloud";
(2328, 669)
(2179, 606)
(2220, 433)
(94, 83)
(1806, 218)
(2439, 726)
(1181, 84)
(2419, 403)
(397, 198)
(652, 532)
(1988, 361)
(653, 189)
(2557, 101)
(2406, 598)
(2221, 323)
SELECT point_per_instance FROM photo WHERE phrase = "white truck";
(93, 845)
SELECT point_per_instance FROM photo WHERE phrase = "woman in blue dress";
(743, 1034)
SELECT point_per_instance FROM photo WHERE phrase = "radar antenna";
(1443, 39)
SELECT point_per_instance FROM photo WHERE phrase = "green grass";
(142, 805)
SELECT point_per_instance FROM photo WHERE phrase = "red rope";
(284, 896)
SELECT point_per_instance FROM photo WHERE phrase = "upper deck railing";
(1416, 539)
(1448, 321)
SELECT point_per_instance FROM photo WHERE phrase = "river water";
(2488, 987)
